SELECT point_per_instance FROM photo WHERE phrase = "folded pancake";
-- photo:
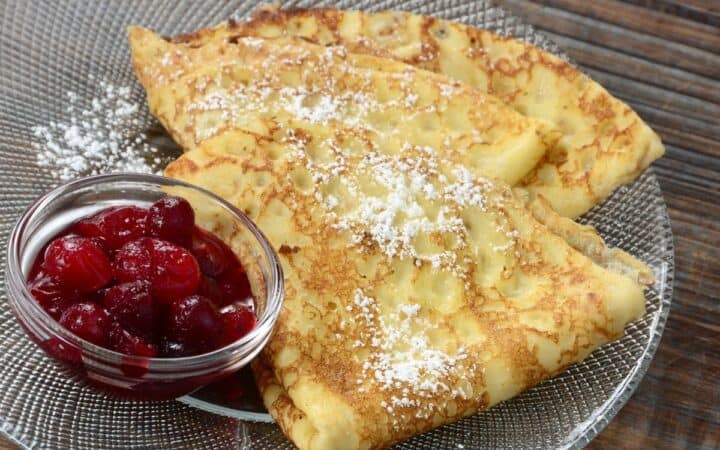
(605, 143)
(198, 90)
(419, 289)
(201, 89)
(416, 292)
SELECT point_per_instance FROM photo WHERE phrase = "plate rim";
(624, 391)
(600, 417)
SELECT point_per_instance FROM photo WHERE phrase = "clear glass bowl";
(128, 376)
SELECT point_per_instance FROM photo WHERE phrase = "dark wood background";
(663, 58)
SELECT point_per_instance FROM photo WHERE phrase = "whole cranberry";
(78, 263)
(114, 226)
(210, 288)
(172, 219)
(171, 270)
(87, 320)
(176, 272)
(238, 320)
(133, 262)
(235, 285)
(213, 255)
(132, 305)
(49, 294)
(196, 322)
(123, 341)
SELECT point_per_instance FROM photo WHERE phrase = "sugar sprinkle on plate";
(99, 136)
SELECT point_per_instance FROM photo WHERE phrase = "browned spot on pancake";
(182, 167)
(429, 47)
(599, 106)
(504, 66)
(276, 16)
(220, 161)
(303, 136)
(189, 38)
(558, 66)
(248, 165)
(331, 20)
(288, 250)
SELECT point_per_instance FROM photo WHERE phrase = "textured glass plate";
(51, 48)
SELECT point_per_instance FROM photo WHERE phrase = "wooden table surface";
(663, 58)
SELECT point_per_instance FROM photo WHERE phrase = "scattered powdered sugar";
(321, 99)
(311, 104)
(95, 139)
(253, 42)
(394, 219)
(325, 107)
(401, 358)
(411, 99)
(466, 190)
(392, 196)
(399, 202)
(449, 90)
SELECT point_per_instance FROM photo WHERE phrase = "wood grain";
(663, 58)
(702, 11)
(644, 20)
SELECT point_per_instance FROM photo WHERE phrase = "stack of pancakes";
(418, 178)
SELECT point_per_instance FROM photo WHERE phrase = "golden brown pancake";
(197, 90)
(605, 143)
(419, 289)
(215, 83)
(416, 293)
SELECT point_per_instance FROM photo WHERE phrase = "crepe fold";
(419, 288)
(605, 143)
(210, 81)
(197, 91)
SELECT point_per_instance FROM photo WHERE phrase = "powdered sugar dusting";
(396, 202)
(96, 139)
(402, 360)
(400, 202)
(333, 91)
(395, 219)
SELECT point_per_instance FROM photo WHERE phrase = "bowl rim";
(275, 285)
